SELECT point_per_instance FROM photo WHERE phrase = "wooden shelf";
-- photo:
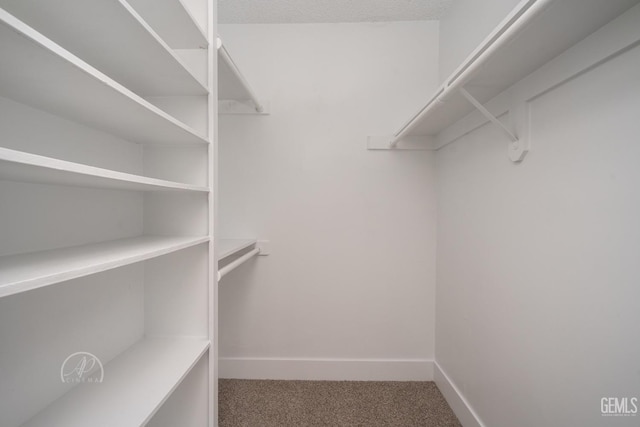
(229, 247)
(71, 88)
(26, 167)
(134, 55)
(135, 385)
(173, 22)
(533, 34)
(24, 272)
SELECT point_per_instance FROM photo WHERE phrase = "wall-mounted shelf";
(29, 271)
(232, 253)
(173, 22)
(25, 167)
(135, 385)
(134, 56)
(235, 95)
(229, 247)
(70, 88)
(535, 32)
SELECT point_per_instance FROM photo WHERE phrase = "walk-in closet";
(337, 213)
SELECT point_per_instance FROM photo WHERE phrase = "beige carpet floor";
(253, 403)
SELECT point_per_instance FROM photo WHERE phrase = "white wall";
(538, 296)
(348, 291)
(464, 26)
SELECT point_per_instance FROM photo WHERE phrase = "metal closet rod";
(222, 51)
(481, 56)
(235, 264)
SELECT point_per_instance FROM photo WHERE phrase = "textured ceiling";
(304, 11)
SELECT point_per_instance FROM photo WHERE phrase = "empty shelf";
(533, 34)
(23, 272)
(135, 385)
(133, 55)
(229, 247)
(173, 22)
(26, 167)
(231, 83)
(45, 76)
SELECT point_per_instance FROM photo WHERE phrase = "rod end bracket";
(264, 246)
(520, 116)
(383, 142)
(230, 107)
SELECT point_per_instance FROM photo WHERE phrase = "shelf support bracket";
(519, 147)
(488, 115)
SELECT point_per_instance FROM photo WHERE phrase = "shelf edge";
(28, 284)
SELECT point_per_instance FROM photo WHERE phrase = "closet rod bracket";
(246, 107)
(264, 246)
(518, 146)
(412, 143)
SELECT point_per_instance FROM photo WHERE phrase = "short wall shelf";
(24, 272)
(71, 86)
(235, 95)
(229, 247)
(26, 167)
(232, 253)
(135, 385)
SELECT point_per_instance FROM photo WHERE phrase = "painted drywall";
(465, 24)
(348, 290)
(538, 303)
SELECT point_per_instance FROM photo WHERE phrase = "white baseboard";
(455, 399)
(326, 369)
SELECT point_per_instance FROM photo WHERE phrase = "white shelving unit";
(106, 238)
(235, 95)
(534, 33)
